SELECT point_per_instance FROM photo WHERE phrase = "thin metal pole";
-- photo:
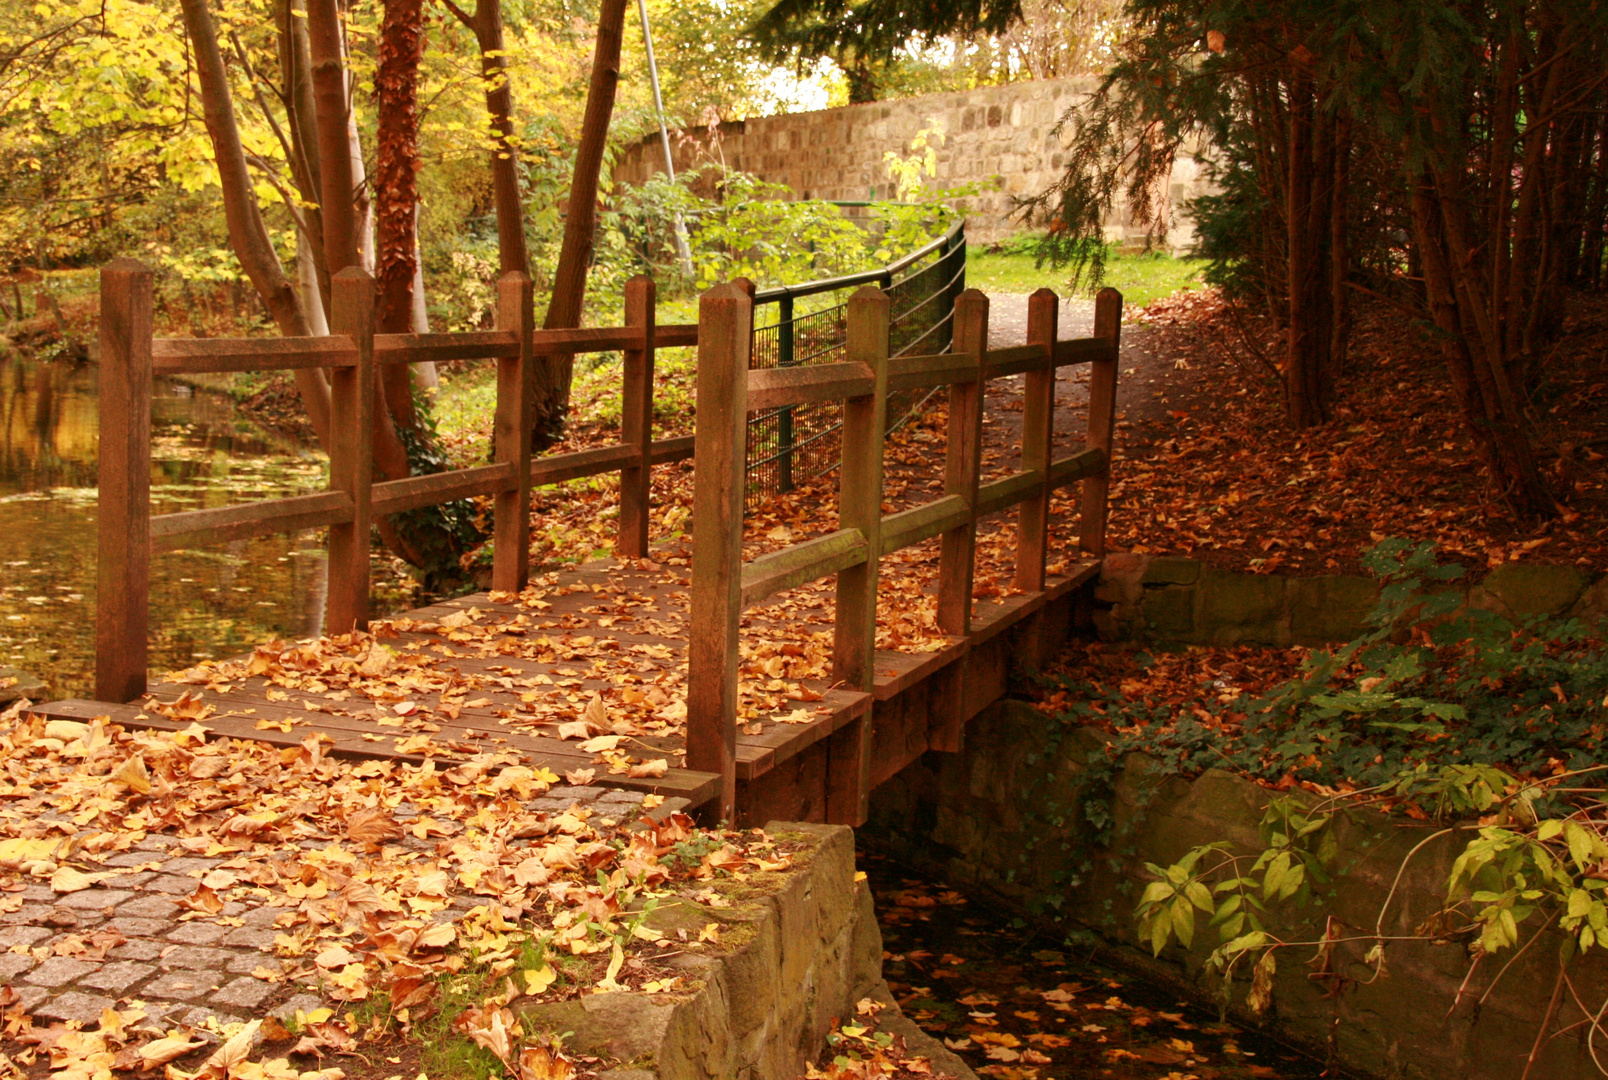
(683, 252)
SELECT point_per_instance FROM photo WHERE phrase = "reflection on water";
(210, 602)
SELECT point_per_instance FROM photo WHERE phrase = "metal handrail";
(862, 277)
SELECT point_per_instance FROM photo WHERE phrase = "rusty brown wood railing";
(723, 586)
(131, 358)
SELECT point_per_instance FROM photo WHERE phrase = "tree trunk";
(247, 233)
(1309, 195)
(1497, 428)
(396, 185)
(554, 373)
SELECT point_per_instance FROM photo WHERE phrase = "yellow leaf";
(68, 880)
(133, 773)
(539, 979)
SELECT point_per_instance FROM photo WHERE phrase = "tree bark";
(554, 373)
(247, 233)
(396, 184)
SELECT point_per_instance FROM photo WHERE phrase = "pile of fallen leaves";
(392, 881)
(862, 1052)
(1208, 466)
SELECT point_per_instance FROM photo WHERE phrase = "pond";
(204, 603)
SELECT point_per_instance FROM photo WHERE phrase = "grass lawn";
(1142, 278)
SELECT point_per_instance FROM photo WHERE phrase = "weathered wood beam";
(802, 563)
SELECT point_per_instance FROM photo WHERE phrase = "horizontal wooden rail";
(395, 496)
(679, 448)
(922, 522)
(1085, 350)
(928, 372)
(572, 466)
(1008, 491)
(1078, 466)
(1016, 360)
(776, 388)
(194, 356)
(220, 524)
(442, 348)
(802, 563)
(675, 334)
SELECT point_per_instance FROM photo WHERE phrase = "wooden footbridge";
(753, 688)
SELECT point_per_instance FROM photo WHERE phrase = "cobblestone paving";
(132, 938)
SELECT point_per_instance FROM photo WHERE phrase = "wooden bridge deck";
(498, 674)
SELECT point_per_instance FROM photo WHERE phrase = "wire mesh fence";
(791, 445)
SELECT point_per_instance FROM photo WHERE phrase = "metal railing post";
(784, 358)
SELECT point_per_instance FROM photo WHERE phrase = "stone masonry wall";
(798, 949)
(999, 136)
(1169, 600)
(970, 816)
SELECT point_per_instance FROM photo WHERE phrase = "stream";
(204, 603)
(1020, 1005)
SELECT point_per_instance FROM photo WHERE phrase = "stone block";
(200, 933)
(14, 964)
(1521, 590)
(1592, 606)
(1170, 570)
(196, 958)
(94, 899)
(243, 993)
(118, 978)
(74, 1005)
(1328, 609)
(16, 684)
(12, 936)
(1234, 609)
(172, 885)
(60, 971)
(138, 949)
(1169, 613)
(149, 907)
(182, 985)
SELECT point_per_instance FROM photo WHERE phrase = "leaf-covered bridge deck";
(775, 694)
(583, 672)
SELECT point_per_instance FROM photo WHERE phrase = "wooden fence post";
(725, 314)
(1102, 422)
(510, 556)
(123, 566)
(1038, 440)
(865, 424)
(636, 420)
(351, 452)
(962, 464)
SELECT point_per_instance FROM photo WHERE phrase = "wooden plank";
(898, 672)
(696, 786)
(925, 372)
(123, 547)
(758, 754)
(962, 465)
(996, 617)
(511, 434)
(220, 524)
(351, 453)
(499, 344)
(432, 489)
(585, 339)
(922, 522)
(1084, 350)
(1102, 422)
(674, 334)
(794, 791)
(1007, 491)
(1016, 359)
(1074, 467)
(859, 507)
(636, 419)
(557, 468)
(679, 448)
(774, 388)
(725, 318)
(1038, 441)
(801, 563)
(198, 355)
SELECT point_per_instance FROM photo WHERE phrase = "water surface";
(204, 603)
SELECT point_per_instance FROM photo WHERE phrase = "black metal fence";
(788, 446)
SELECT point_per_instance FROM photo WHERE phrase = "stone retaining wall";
(798, 949)
(999, 136)
(970, 818)
(1169, 600)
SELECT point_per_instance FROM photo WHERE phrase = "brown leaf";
(372, 825)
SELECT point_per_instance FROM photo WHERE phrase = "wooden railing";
(723, 585)
(131, 358)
